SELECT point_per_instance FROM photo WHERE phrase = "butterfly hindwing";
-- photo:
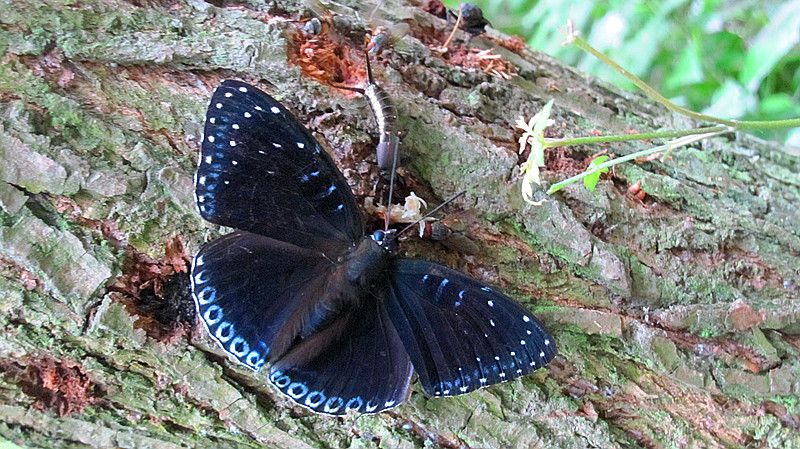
(262, 171)
(460, 334)
(251, 291)
(365, 370)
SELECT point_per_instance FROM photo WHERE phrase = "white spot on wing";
(275, 110)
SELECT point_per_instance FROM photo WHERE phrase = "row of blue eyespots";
(315, 399)
(223, 331)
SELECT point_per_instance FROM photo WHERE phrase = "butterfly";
(341, 322)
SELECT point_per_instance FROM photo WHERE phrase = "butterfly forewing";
(460, 334)
(261, 171)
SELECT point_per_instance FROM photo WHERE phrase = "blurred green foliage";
(730, 59)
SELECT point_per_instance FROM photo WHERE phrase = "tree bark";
(676, 315)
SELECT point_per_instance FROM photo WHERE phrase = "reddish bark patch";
(28, 280)
(514, 43)
(157, 291)
(483, 60)
(324, 59)
(58, 385)
(780, 412)
(51, 67)
(565, 160)
(744, 317)
(427, 437)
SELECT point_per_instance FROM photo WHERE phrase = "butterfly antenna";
(445, 203)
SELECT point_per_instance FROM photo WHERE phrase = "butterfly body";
(341, 320)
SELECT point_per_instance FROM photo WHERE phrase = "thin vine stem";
(551, 143)
(669, 146)
(681, 137)
(577, 40)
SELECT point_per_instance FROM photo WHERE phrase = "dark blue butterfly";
(342, 321)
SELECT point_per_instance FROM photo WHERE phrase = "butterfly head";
(386, 239)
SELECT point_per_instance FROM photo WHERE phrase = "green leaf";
(780, 35)
(691, 70)
(590, 181)
(731, 101)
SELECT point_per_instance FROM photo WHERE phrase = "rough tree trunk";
(676, 315)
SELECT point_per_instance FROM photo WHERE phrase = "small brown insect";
(635, 190)
(450, 232)
(383, 37)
